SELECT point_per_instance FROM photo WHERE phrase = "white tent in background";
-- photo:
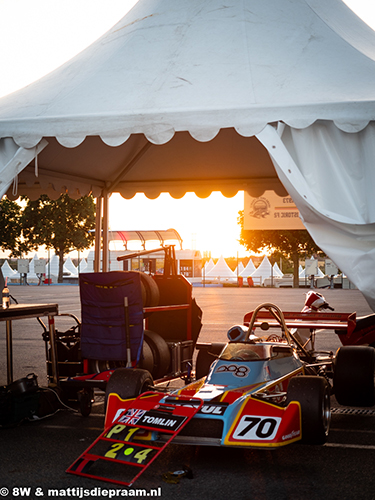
(69, 266)
(52, 268)
(31, 275)
(7, 271)
(82, 266)
(221, 271)
(314, 263)
(239, 269)
(277, 271)
(208, 266)
(263, 271)
(301, 272)
(249, 269)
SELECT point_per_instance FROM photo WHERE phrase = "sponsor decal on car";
(240, 371)
(160, 420)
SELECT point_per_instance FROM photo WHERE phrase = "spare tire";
(150, 291)
(147, 358)
(161, 353)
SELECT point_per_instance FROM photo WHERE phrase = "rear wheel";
(314, 397)
(353, 379)
(128, 383)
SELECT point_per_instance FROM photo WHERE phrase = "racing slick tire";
(161, 353)
(128, 383)
(147, 359)
(353, 376)
(205, 358)
(150, 291)
(313, 394)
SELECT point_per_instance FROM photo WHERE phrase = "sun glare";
(208, 225)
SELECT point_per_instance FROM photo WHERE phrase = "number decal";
(132, 430)
(115, 448)
(251, 428)
(142, 455)
(128, 454)
(239, 371)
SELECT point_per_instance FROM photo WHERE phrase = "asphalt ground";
(35, 455)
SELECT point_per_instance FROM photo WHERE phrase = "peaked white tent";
(301, 272)
(31, 275)
(69, 266)
(221, 270)
(7, 271)
(82, 266)
(52, 268)
(208, 266)
(239, 269)
(249, 269)
(183, 95)
(263, 271)
(276, 270)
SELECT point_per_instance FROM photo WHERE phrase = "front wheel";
(314, 397)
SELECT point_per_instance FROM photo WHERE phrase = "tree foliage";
(10, 226)
(61, 224)
(291, 244)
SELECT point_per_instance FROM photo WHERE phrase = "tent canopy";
(183, 95)
(216, 75)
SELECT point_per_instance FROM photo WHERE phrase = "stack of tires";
(156, 356)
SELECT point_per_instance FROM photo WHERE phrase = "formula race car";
(261, 390)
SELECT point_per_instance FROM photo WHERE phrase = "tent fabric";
(175, 73)
(221, 270)
(182, 96)
(332, 187)
(249, 269)
(277, 271)
(7, 271)
(264, 270)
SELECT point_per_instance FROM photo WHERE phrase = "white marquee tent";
(7, 271)
(191, 96)
(208, 266)
(249, 269)
(221, 270)
(263, 271)
(277, 271)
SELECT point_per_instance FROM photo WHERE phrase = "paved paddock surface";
(222, 308)
(34, 455)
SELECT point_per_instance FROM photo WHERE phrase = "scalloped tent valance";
(183, 95)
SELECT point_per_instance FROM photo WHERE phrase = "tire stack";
(156, 356)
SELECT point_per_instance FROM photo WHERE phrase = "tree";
(10, 226)
(61, 224)
(292, 244)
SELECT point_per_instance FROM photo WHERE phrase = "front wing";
(247, 422)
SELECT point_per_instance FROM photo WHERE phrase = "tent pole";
(98, 233)
(105, 231)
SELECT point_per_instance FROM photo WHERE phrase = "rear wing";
(345, 323)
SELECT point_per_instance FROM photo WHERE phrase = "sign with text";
(271, 211)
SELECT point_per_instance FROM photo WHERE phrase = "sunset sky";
(36, 36)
